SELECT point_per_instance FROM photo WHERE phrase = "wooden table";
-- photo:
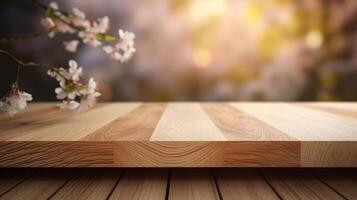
(182, 135)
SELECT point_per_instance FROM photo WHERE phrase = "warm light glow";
(253, 12)
(202, 57)
(314, 39)
(204, 9)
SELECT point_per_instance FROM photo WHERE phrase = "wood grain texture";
(186, 122)
(207, 154)
(298, 184)
(56, 154)
(193, 184)
(203, 183)
(344, 181)
(89, 185)
(344, 109)
(40, 186)
(137, 125)
(9, 178)
(243, 184)
(188, 134)
(237, 125)
(74, 127)
(149, 184)
(329, 154)
(302, 123)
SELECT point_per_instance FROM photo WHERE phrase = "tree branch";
(24, 37)
(18, 61)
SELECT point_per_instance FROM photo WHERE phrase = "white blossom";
(100, 26)
(75, 95)
(70, 105)
(74, 71)
(15, 101)
(18, 99)
(124, 49)
(71, 46)
(91, 32)
(90, 39)
(79, 19)
(48, 23)
(63, 27)
(5, 107)
(90, 95)
(78, 13)
(108, 49)
(127, 38)
(53, 5)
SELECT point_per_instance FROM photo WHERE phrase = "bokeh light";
(202, 57)
(214, 50)
(314, 39)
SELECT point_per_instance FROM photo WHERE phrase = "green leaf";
(105, 37)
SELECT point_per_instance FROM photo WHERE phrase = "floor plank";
(298, 184)
(148, 184)
(243, 184)
(181, 183)
(9, 178)
(192, 184)
(90, 184)
(40, 186)
(344, 181)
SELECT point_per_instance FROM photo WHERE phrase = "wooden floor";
(182, 135)
(185, 184)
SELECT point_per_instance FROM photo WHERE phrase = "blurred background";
(200, 50)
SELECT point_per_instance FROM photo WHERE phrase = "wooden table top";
(189, 134)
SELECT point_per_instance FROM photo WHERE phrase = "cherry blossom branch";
(74, 94)
(18, 61)
(25, 37)
(100, 36)
(15, 99)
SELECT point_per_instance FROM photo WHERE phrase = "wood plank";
(334, 108)
(329, 154)
(237, 125)
(186, 122)
(41, 186)
(9, 178)
(298, 184)
(95, 184)
(344, 181)
(180, 135)
(56, 154)
(37, 108)
(243, 184)
(37, 116)
(142, 184)
(301, 123)
(137, 125)
(207, 154)
(78, 125)
(192, 184)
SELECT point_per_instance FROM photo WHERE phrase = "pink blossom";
(71, 46)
